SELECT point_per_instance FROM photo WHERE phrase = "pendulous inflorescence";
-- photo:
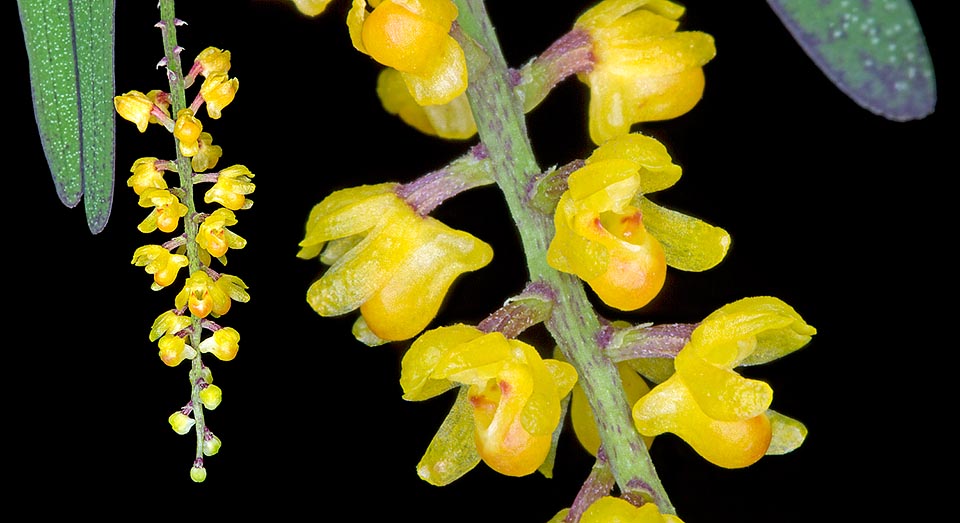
(192, 327)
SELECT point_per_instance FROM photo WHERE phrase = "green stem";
(178, 101)
(573, 322)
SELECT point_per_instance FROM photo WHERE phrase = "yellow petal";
(689, 244)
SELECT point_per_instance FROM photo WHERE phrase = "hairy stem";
(168, 27)
(573, 322)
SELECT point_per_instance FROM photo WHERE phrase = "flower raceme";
(514, 393)
(644, 69)
(723, 416)
(385, 259)
(413, 37)
(616, 240)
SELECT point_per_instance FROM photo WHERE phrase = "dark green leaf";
(873, 50)
(70, 50)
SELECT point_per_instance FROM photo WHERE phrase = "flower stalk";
(168, 28)
(573, 322)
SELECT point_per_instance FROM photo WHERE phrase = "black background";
(837, 211)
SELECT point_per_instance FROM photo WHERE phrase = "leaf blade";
(872, 50)
(70, 53)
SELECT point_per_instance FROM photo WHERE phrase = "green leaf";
(873, 50)
(70, 50)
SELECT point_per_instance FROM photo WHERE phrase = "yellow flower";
(146, 175)
(218, 90)
(214, 235)
(207, 154)
(514, 393)
(723, 416)
(211, 396)
(169, 322)
(311, 7)
(452, 120)
(202, 296)
(615, 239)
(187, 130)
(231, 188)
(609, 509)
(644, 69)
(387, 260)
(135, 107)
(160, 262)
(173, 350)
(211, 61)
(167, 210)
(223, 344)
(413, 38)
(180, 422)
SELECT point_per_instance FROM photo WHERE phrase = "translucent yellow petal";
(475, 361)
(652, 161)
(721, 393)
(409, 301)
(355, 18)
(349, 211)
(568, 252)
(660, 56)
(606, 185)
(756, 318)
(788, 434)
(564, 375)
(607, 12)
(420, 361)
(637, 25)
(396, 99)
(690, 244)
(358, 275)
(541, 414)
(452, 451)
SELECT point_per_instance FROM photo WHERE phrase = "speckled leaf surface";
(873, 50)
(70, 51)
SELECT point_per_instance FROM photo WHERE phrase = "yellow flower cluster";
(514, 393)
(615, 239)
(722, 415)
(205, 292)
(385, 259)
